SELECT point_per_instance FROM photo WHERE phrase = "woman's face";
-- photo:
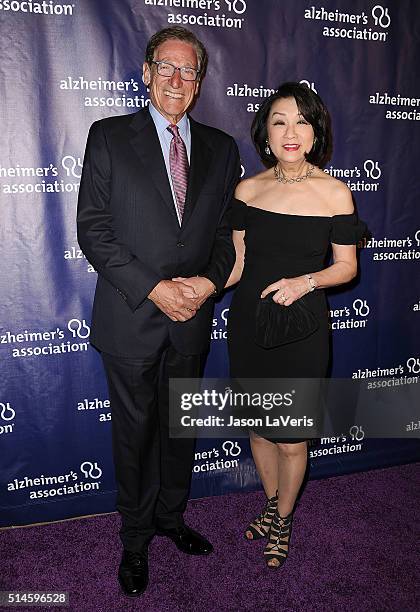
(289, 134)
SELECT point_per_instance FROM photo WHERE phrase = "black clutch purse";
(277, 324)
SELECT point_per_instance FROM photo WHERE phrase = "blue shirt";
(165, 138)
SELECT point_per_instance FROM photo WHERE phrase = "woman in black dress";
(284, 220)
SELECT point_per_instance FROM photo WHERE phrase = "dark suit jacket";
(129, 232)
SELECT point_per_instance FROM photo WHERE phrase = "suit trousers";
(153, 471)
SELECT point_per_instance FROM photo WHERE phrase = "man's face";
(172, 96)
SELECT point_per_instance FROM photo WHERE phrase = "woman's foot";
(260, 526)
(277, 548)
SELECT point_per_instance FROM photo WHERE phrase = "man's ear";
(146, 74)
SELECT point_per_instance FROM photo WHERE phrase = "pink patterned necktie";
(178, 163)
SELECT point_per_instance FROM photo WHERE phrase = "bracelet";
(311, 282)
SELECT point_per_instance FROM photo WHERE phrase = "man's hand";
(202, 286)
(177, 300)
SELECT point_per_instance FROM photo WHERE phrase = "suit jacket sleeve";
(131, 278)
(223, 253)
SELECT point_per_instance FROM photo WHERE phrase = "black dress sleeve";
(347, 229)
(237, 214)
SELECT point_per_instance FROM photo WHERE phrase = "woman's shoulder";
(338, 195)
(248, 188)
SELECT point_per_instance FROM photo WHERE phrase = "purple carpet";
(353, 549)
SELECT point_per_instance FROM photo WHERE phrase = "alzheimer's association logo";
(361, 307)
(72, 165)
(7, 415)
(78, 329)
(91, 470)
(413, 365)
(381, 16)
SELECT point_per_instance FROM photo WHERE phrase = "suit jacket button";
(180, 244)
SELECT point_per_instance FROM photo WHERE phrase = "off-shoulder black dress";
(282, 246)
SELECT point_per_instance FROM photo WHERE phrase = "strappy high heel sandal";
(278, 540)
(260, 527)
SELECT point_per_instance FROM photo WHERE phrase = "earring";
(267, 148)
(314, 142)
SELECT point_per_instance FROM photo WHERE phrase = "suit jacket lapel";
(199, 163)
(145, 143)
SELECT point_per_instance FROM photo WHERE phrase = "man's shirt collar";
(162, 123)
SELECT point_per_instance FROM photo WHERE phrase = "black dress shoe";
(133, 573)
(187, 540)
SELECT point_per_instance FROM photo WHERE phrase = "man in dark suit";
(152, 211)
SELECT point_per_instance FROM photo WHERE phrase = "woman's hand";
(287, 290)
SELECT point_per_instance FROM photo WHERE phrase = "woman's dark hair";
(313, 110)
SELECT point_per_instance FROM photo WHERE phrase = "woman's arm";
(343, 268)
(239, 244)
(244, 192)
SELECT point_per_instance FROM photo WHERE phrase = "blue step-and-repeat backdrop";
(66, 64)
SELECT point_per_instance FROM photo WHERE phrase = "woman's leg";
(266, 458)
(265, 455)
(292, 460)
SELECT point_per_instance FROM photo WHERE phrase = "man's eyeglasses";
(168, 70)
